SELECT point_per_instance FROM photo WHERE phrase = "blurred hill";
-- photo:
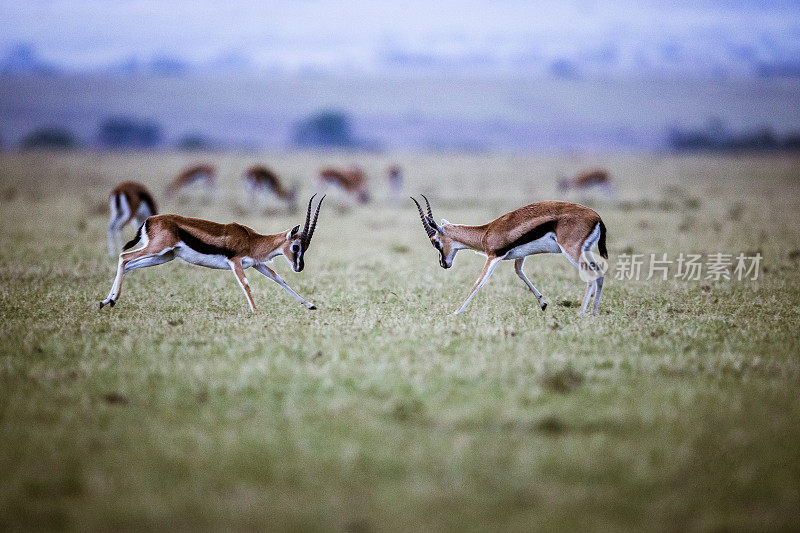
(441, 112)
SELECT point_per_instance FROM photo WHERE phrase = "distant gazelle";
(351, 181)
(542, 227)
(395, 180)
(128, 201)
(202, 174)
(234, 247)
(588, 179)
(261, 180)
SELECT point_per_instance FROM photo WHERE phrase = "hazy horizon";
(578, 37)
(479, 75)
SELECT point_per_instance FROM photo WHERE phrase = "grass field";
(677, 408)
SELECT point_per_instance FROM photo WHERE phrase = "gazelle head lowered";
(297, 242)
(541, 227)
(440, 237)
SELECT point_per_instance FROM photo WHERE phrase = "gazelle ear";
(292, 232)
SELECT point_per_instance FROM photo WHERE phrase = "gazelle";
(587, 179)
(234, 247)
(395, 179)
(351, 181)
(128, 201)
(542, 227)
(259, 179)
(193, 175)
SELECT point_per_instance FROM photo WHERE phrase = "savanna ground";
(676, 408)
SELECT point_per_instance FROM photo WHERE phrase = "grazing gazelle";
(588, 179)
(351, 181)
(233, 247)
(193, 175)
(260, 180)
(542, 227)
(395, 178)
(128, 201)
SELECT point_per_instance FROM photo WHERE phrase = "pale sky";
(85, 34)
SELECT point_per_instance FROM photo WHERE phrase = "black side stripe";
(199, 246)
(118, 202)
(536, 233)
(131, 243)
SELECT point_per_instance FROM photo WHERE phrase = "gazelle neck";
(266, 245)
(466, 236)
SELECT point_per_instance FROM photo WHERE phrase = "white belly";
(543, 245)
(194, 257)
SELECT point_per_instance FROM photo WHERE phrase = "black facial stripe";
(535, 233)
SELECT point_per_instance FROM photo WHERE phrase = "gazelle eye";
(295, 248)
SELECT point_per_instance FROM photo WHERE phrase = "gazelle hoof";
(312, 307)
(544, 306)
(112, 302)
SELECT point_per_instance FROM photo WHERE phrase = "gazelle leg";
(113, 237)
(597, 271)
(599, 284)
(590, 286)
(134, 259)
(594, 270)
(488, 268)
(115, 287)
(238, 271)
(574, 256)
(271, 274)
(113, 221)
(518, 268)
(119, 219)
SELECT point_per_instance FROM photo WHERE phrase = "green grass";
(676, 408)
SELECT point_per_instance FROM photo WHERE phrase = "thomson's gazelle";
(233, 247)
(192, 175)
(543, 227)
(588, 179)
(259, 180)
(352, 181)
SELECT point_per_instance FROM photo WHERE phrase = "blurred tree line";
(715, 136)
(323, 129)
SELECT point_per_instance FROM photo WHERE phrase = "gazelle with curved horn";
(542, 227)
(233, 247)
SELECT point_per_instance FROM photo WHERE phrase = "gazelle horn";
(307, 238)
(425, 222)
